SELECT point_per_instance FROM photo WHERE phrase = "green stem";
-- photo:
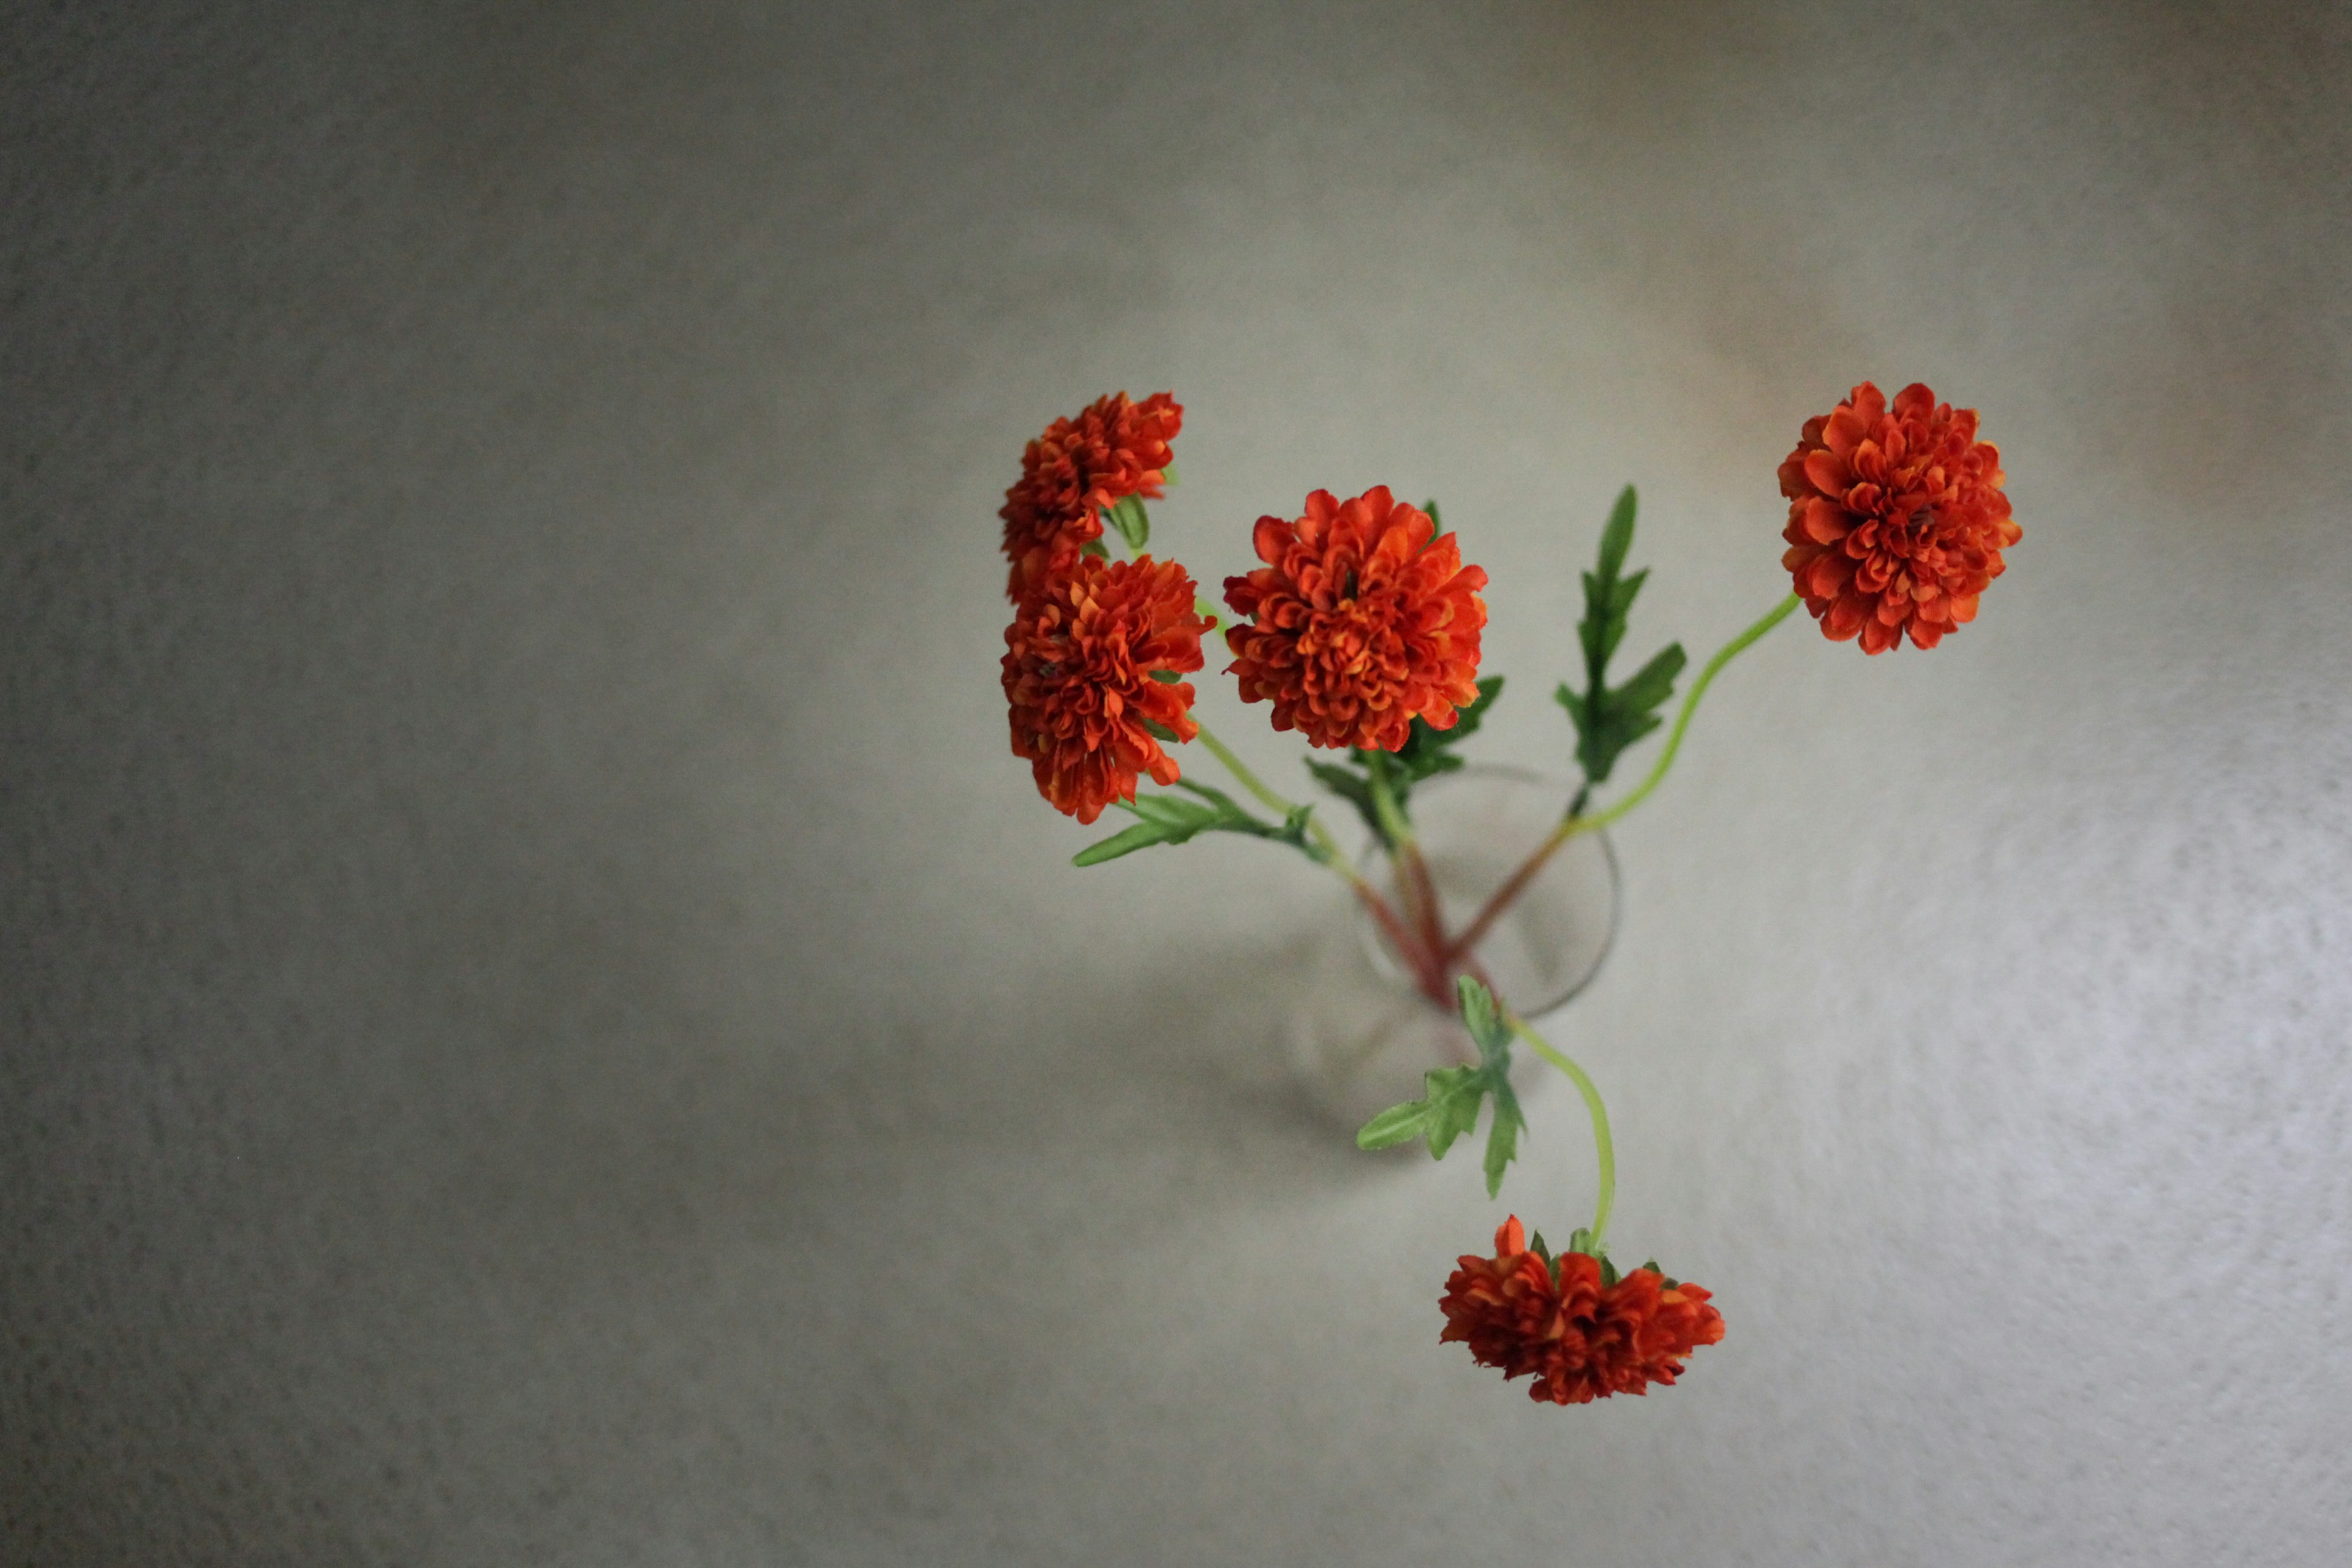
(1574, 823)
(1394, 826)
(1600, 1140)
(1729, 651)
(1275, 803)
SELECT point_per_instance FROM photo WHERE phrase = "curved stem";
(1573, 824)
(1602, 1145)
(1275, 803)
(1729, 651)
(1420, 956)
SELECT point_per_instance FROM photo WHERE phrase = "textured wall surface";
(542, 1025)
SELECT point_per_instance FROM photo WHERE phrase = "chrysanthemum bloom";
(1078, 670)
(1583, 1339)
(1896, 519)
(1112, 450)
(1363, 621)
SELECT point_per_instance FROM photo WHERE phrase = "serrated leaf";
(1455, 1094)
(1609, 719)
(1134, 525)
(1503, 1133)
(1483, 1017)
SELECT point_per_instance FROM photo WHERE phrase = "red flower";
(1114, 449)
(1584, 1340)
(1896, 519)
(1364, 622)
(1078, 673)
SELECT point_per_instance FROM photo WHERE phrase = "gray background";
(543, 1026)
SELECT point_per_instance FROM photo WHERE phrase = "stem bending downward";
(1602, 1145)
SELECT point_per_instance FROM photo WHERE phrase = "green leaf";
(1453, 1095)
(1617, 537)
(1608, 719)
(1095, 548)
(1128, 516)
(1397, 1124)
(1168, 477)
(1430, 506)
(1503, 1133)
(1652, 684)
(1447, 1109)
(1490, 1025)
(1426, 752)
(1165, 820)
(1352, 788)
(1172, 819)
(1126, 841)
(1483, 1017)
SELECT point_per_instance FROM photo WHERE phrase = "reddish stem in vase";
(1503, 899)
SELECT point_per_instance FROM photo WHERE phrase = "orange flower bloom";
(1583, 1339)
(1112, 450)
(1363, 622)
(1896, 519)
(1078, 673)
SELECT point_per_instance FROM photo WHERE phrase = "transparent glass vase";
(1361, 1032)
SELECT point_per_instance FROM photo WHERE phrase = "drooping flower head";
(1557, 1317)
(1081, 654)
(1113, 449)
(1896, 519)
(1364, 619)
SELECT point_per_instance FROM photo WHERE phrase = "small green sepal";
(1134, 525)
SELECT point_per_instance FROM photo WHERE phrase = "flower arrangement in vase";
(1360, 628)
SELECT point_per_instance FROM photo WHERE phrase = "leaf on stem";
(1451, 1097)
(1172, 819)
(1608, 720)
(1426, 752)
(1127, 515)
